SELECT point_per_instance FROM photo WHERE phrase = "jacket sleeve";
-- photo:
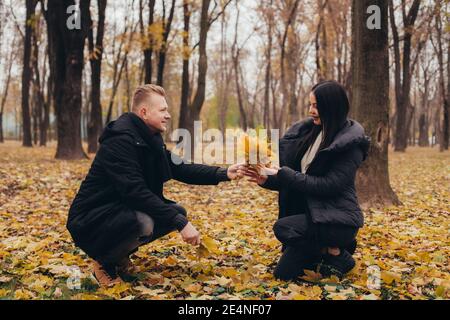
(272, 183)
(119, 159)
(341, 174)
(198, 174)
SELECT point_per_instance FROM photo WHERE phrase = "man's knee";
(147, 224)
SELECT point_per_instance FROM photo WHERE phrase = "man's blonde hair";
(143, 92)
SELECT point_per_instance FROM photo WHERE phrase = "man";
(120, 205)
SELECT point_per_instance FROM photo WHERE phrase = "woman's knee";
(279, 229)
(291, 228)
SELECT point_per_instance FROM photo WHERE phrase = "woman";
(319, 215)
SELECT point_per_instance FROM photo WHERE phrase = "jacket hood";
(123, 125)
(352, 134)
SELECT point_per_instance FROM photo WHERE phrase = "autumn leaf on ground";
(207, 247)
(311, 276)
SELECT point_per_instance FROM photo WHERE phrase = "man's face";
(156, 113)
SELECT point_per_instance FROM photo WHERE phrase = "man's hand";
(254, 175)
(190, 234)
(235, 172)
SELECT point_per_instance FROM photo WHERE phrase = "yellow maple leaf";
(23, 294)
(388, 277)
(202, 251)
(229, 272)
(210, 244)
(4, 292)
(311, 276)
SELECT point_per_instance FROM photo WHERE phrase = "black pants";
(148, 232)
(303, 241)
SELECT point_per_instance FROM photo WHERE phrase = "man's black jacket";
(127, 175)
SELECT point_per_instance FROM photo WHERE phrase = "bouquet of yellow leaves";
(258, 153)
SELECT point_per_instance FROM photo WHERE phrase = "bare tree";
(191, 112)
(224, 74)
(268, 53)
(403, 70)
(439, 50)
(236, 51)
(147, 37)
(27, 73)
(95, 122)
(41, 106)
(119, 61)
(166, 27)
(287, 85)
(321, 42)
(8, 67)
(186, 52)
(424, 90)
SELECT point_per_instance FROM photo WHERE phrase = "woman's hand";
(254, 174)
(272, 171)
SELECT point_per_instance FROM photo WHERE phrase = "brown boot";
(105, 276)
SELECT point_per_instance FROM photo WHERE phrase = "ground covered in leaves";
(403, 251)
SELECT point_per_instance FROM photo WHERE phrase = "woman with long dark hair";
(319, 214)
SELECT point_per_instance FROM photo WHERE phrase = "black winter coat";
(327, 190)
(126, 176)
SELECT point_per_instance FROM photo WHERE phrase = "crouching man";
(120, 205)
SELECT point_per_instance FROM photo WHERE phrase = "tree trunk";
(199, 97)
(371, 103)
(120, 60)
(321, 43)
(236, 66)
(147, 38)
(41, 106)
(244, 123)
(45, 127)
(184, 104)
(5, 93)
(37, 104)
(67, 61)
(26, 74)
(128, 86)
(447, 104)
(222, 84)
(423, 131)
(167, 26)
(2, 138)
(444, 139)
(287, 98)
(268, 71)
(403, 68)
(95, 123)
(423, 122)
